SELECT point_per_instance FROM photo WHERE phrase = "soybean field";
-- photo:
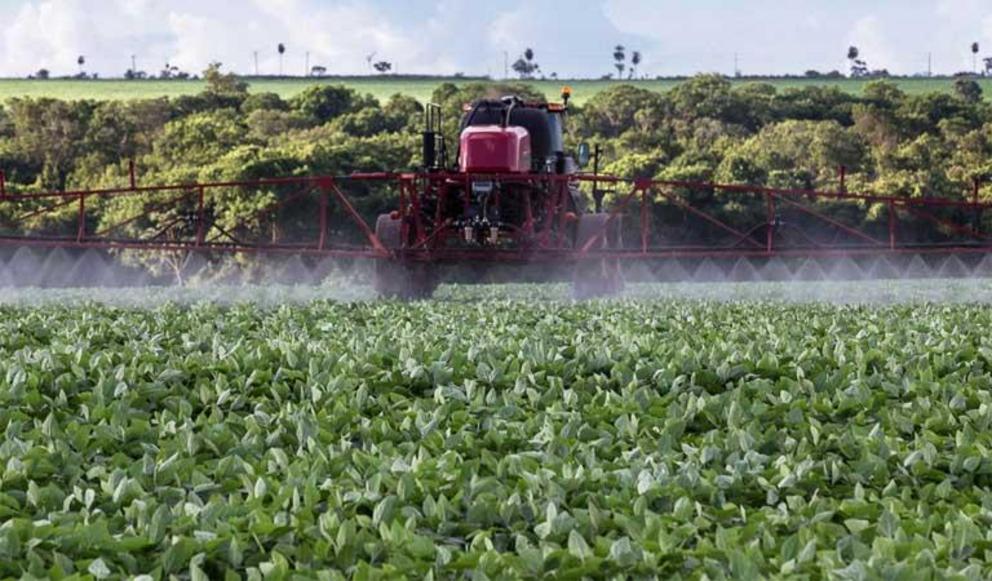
(498, 432)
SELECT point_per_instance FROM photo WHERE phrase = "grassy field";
(382, 88)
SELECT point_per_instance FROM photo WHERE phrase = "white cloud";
(447, 36)
(705, 35)
(771, 36)
(439, 36)
(190, 34)
(342, 36)
(40, 33)
(870, 38)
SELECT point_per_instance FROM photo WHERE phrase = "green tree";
(403, 112)
(49, 134)
(968, 90)
(265, 125)
(923, 113)
(325, 102)
(267, 101)
(884, 94)
(219, 83)
(792, 153)
(708, 96)
(199, 139)
(815, 103)
(619, 109)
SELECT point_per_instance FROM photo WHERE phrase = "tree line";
(173, 72)
(705, 129)
(526, 66)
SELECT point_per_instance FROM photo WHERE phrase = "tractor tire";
(397, 277)
(597, 277)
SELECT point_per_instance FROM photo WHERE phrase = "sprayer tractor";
(509, 197)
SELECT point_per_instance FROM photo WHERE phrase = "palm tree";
(859, 68)
(529, 55)
(635, 60)
(525, 65)
(81, 61)
(974, 57)
(282, 50)
(619, 55)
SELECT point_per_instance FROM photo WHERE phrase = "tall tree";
(859, 68)
(635, 60)
(525, 66)
(282, 51)
(529, 55)
(219, 83)
(619, 56)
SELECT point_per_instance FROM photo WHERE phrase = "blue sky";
(572, 37)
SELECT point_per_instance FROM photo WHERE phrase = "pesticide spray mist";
(95, 275)
(880, 279)
(35, 275)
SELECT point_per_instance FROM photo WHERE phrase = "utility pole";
(134, 66)
(306, 68)
(506, 65)
(737, 68)
(929, 64)
(256, 63)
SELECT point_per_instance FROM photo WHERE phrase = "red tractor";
(510, 198)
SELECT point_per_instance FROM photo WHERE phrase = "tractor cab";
(526, 137)
(507, 135)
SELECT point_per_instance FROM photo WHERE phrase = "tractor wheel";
(597, 277)
(396, 277)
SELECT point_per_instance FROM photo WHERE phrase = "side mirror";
(583, 155)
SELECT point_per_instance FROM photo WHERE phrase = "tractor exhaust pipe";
(433, 138)
(510, 103)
